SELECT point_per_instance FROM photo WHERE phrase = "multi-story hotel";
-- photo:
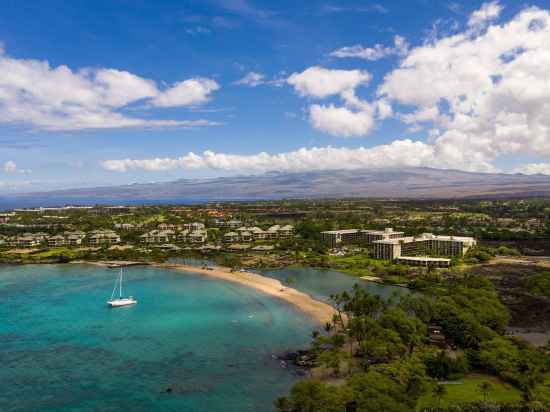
(335, 238)
(422, 246)
(391, 245)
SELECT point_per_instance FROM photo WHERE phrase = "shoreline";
(319, 311)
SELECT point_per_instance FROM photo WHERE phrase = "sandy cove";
(319, 311)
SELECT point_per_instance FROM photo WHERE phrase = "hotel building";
(391, 245)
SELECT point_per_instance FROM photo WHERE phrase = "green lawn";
(56, 252)
(469, 391)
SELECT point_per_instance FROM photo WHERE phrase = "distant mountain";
(416, 183)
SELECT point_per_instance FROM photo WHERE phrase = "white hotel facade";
(426, 249)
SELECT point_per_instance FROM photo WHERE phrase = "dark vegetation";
(389, 355)
(525, 290)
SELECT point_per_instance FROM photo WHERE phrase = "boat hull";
(121, 302)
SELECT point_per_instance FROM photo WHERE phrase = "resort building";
(27, 241)
(426, 244)
(337, 238)
(258, 234)
(247, 234)
(158, 236)
(273, 232)
(166, 226)
(231, 224)
(74, 238)
(99, 237)
(5, 217)
(194, 226)
(127, 226)
(370, 236)
(387, 244)
(56, 241)
(198, 236)
(231, 237)
(424, 261)
(182, 236)
(286, 232)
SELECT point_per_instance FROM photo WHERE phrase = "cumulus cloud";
(378, 51)
(398, 153)
(192, 92)
(251, 79)
(487, 12)
(485, 93)
(58, 98)
(10, 166)
(534, 168)
(341, 121)
(355, 118)
(319, 82)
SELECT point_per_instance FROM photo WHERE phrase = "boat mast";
(120, 282)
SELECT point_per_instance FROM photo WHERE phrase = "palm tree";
(485, 388)
(439, 392)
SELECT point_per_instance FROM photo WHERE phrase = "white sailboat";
(120, 301)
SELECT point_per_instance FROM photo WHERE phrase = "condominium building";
(158, 236)
(198, 236)
(336, 238)
(74, 238)
(232, 224)
(167, 226)
(27, 241)
(5, 217)
(370, 236)
(424, 261)
(98, 237)
(56, 241)
(286, 232)
(426, 244)
(275, 232)
(231, 237)
(194, 226)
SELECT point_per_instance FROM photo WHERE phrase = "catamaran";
(114, 302)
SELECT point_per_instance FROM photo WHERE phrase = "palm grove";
(378, 355)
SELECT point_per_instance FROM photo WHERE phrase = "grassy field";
(469, 391)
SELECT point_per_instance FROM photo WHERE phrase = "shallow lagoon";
(211, 342)
(321, 283)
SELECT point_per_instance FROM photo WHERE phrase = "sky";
(122, 91)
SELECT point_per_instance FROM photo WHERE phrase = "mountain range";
(411, 183)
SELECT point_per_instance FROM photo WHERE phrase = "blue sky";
(109, 92)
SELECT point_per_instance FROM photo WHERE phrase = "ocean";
(190, 344)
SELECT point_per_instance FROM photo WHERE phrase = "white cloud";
(319, 82)
(396, 154)
(191, 92)
(383, 109)
(487, 12)
(421, 115)
(57, 98)
(377, 52)
(484, 93)
(534, 168)
(10, 166)
(251, 79)
(340, 121)
(355, 118)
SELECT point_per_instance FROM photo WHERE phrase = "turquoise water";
(321, 283)
(62, 349)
